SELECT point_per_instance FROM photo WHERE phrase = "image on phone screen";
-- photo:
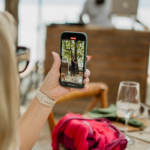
(72, 61)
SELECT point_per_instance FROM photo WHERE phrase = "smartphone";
(73, 51)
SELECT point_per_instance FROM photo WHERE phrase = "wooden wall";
(117, 55)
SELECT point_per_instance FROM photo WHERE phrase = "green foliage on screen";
(80, 51)
(68, 47)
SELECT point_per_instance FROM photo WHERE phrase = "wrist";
(43, 99)
(47, 93)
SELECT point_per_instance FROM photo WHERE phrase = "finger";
(88, 58)
(87, 73)
(86, 81)
(57, 62)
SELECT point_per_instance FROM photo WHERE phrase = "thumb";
(57, 62)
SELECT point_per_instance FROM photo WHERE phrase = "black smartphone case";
(85, 54)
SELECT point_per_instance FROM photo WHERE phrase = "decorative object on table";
(128, 101)
(110, 113)
(76, 132)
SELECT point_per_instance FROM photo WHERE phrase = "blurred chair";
(31, 77)
(97, 90)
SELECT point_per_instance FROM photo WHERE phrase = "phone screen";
(72, 59)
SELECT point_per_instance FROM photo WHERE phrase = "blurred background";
(119, 47)
(35, 15)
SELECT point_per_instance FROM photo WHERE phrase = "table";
(142, 139)
(139, 145)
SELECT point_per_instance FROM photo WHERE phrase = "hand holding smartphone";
(73, 51)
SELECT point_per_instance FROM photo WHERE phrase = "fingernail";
(86, 80)
(90, 57)
(88, 88)
(54, 52)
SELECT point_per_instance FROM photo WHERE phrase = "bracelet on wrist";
(45, 100)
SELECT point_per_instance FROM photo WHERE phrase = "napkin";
(111, 114)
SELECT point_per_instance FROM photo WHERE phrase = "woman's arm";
(31, 124)
(33, 120)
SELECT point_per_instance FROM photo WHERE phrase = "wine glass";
(128, 101)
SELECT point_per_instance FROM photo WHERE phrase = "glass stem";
(127, 117)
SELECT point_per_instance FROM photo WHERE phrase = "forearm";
(31, 124)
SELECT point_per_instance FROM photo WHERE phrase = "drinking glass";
(128, 101)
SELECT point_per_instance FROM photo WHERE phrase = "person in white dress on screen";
(98, 11)
(22, 134)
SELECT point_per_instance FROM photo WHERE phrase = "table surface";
(141, 138)
(138, 145)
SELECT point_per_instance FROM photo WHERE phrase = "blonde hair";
(9, 84)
